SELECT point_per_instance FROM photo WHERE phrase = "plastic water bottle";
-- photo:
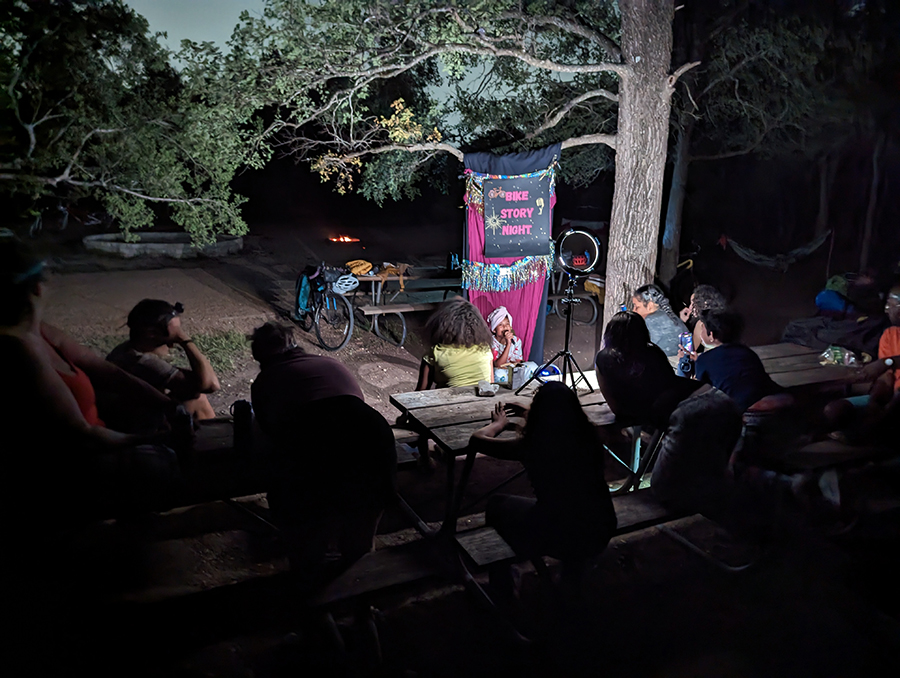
(242, 415)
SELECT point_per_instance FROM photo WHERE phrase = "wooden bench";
(381, 309)
(381, 571)
(577, 295)
(634, 511)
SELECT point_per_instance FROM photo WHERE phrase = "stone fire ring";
(174, 245)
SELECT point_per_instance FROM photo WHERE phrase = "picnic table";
(793, 367)
(796, 367)
(420, 294)
(449, 417)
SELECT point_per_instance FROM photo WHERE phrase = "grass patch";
(222, 348)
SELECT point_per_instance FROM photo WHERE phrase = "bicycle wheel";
(391, 327)
(583, 313)
(334, 321)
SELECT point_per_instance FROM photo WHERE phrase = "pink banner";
(524, 304)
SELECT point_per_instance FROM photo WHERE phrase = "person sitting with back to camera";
(506, 347)
(333, 462)
(571, 517)
(700, 424)
(460, 347)
(154, 328)
(664, 326)
(633, 373)
(729, 365)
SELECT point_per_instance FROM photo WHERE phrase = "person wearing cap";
(154, 328)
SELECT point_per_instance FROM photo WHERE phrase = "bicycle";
(326, 306)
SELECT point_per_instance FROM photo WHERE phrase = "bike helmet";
(346, 283)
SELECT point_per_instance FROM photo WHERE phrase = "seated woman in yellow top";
(460, 353)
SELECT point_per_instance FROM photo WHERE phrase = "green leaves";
(96, 110)
(473, 75)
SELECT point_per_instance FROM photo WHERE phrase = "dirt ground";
(813, 606)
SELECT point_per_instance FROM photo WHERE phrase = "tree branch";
(730, 74)
(608, 139)
(412, 148)
(552, 122)
(684, 68)
(605, 43)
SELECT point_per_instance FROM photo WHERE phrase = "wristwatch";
(889, 362)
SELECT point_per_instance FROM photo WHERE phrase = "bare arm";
(503, 357)
(485, 440)
(426, 376)
(58, 405)
(105, 374)
(200, 378)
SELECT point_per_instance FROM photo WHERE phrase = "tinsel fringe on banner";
(475, 184)
(496, 278)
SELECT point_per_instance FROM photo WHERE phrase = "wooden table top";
(792, 366)
(452, 415)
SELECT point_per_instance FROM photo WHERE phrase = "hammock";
(778, 262)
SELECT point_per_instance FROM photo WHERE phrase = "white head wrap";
(496, 317)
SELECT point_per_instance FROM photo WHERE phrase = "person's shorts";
(860, 401)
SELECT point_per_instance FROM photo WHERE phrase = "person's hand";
(871, 372)
(680, 351)
(507, 337)
(498, 415)
(177, 335)
(515, 410)
(685, 314)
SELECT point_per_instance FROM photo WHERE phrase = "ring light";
(577, 252)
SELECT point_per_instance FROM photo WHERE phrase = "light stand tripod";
(568, 363)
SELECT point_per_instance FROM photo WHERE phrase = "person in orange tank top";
(67, 456)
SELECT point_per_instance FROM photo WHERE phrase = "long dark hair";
(556, 421)
(625, 334)
(457, 322)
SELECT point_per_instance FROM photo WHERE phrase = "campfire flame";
(343, 238)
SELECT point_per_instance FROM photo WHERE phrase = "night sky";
(198, 20)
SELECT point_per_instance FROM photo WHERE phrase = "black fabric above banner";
(514, 163)
(517, 216)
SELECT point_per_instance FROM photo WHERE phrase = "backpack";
(303, 299)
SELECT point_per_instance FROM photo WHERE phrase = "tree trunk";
(671, 241)
(644, 102)
(873, 201)
(827, 172)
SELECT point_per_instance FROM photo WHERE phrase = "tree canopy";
(374, 92)
(93, 108)
(345, 80)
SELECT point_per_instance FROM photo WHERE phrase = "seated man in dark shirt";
(730, 366)
(333, 458)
